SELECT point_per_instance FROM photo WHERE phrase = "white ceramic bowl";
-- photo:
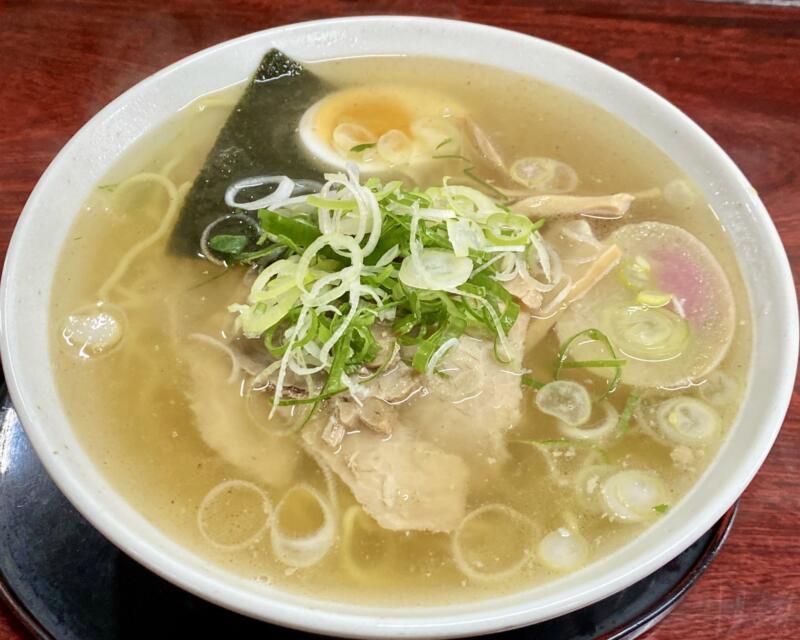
(52, 206)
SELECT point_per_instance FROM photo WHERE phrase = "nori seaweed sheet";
(259, 138)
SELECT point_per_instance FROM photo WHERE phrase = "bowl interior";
(56, 200)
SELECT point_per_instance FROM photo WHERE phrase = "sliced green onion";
(508, 229)
(635, 274)
(450, 156)
(362, 147)
(627, 413)
(647, 333)
(494, 190)
(437, 270)
(544, 174)
(301, 234)
(531, 382)
(274, 251)
(661, 508)
(327, 203)
(592, 364)
(594, 335)
(324, 294)
(631, 495)
(388, 190)
(309, 334)
(255, 320)
(688, 421)
(442, 143)
(565, 400)
(653, 298)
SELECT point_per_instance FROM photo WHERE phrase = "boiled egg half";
(382, 126)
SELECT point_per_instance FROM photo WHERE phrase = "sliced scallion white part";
(335, 241)
(505, 348)
(580, 231)
(481, 561)
(302, 550)
(635, 274)
(282, 192)
(464, 235)
(324, 352)
(588, 483)
(232, 496)
(647, 333)
(566, 400)
(506, 268)
(600, 431)
(563, 550)
(255, 319)
(436, 269)
(720, 389)
(653, 298)
(469, 203)
(632, 495)
(546, 175)
(440, 353)
(688, 421)
(387, 257)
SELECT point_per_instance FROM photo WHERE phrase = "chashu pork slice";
(225, 425)
(401, 481)
(470, 408)
(449, 432)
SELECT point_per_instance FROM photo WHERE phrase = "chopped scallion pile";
(353, 255)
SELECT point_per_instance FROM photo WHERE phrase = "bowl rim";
(345, 620)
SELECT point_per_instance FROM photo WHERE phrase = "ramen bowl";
(57, 198)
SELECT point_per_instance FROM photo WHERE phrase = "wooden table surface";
(734, 68)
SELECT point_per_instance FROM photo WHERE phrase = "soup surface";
(533, 359)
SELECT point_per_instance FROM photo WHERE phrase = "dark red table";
(734, 68)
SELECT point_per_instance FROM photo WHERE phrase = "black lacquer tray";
(66, 581)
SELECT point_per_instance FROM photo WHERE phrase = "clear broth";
(130, 408)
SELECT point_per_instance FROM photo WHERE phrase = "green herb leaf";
(661, 508)
(627, 412)
(450, 156)
(362, 147)
(298, 233)
(469, 172)
(592, 364)
(530, 382)
(232, 245)
(442, 143)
